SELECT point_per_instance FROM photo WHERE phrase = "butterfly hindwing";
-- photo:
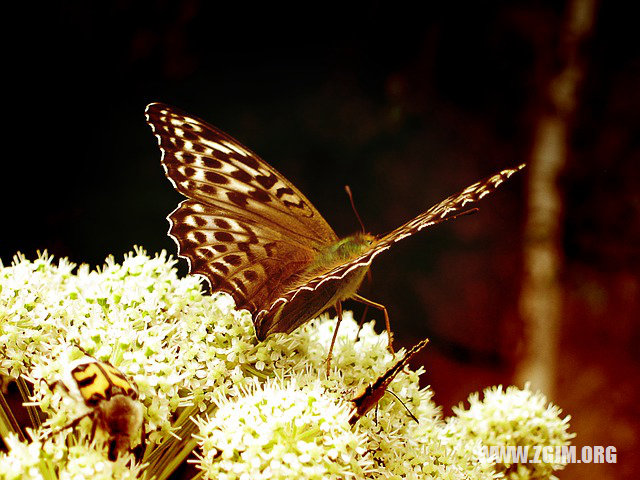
(233, 255)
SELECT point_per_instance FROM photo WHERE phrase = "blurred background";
(406, 106)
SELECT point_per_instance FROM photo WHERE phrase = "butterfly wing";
(244, 227)
(442, 211)
(449, 207)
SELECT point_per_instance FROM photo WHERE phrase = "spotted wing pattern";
(374, 392)
(243, 227)
(442, 211)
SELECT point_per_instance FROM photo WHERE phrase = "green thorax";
(340, 252)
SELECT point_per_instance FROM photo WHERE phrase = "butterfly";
(373, 392)
(251, 233)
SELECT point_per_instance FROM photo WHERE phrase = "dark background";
(406, 106)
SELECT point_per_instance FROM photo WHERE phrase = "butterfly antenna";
(353, 206)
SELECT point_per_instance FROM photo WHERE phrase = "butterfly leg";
(363, 318)
(366, 307)
(379, 306)
(335, 335)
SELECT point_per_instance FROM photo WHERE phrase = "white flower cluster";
(250, 409)
(34, 461)
(513, 417)
(285, 430)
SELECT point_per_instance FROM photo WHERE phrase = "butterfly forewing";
(449, 207)
(442, 211)
(244, 227)
(208, 165)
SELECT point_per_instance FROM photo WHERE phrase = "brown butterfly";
(372, 393)
(252, 234)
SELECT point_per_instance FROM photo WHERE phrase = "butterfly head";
(342, 251)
